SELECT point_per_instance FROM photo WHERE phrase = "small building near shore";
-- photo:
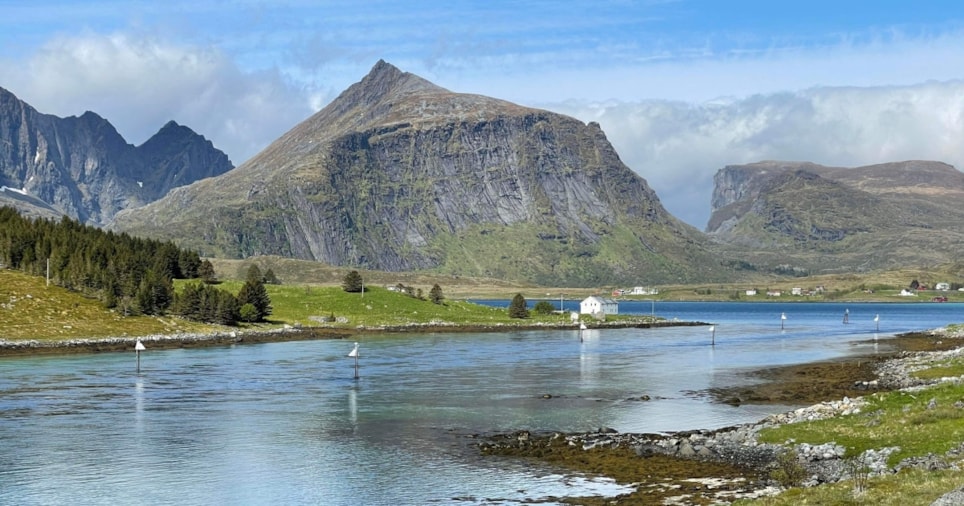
(598, 306)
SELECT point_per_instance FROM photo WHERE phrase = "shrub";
(544, 307)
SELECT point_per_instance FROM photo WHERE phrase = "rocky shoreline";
(750, 462)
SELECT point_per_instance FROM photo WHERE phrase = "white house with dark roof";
(598, 305)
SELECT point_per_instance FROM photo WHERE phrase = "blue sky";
(681, 88)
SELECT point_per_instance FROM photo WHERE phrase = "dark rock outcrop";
(82, 167)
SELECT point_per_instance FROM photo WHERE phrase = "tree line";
(129, 274)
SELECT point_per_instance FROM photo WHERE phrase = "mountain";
(83, 168)
(399, 174)
(811, 218)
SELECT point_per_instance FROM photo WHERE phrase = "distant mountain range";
(398, 174)
(820, 219)
(81, 167)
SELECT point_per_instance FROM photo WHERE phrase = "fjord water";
(286, 423)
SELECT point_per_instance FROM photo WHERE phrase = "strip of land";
(290, 333)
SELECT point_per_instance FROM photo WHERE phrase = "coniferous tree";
(228, 308)
(435, 294)
(188, 263)
(205, 271)
(270, 278)
(517, 308)
(253, 292)
(353, 282)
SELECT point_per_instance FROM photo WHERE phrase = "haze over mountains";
(399, 174)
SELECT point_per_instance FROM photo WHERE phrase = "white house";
(750, 293)
(598, 305)
(642, 290)
(943, 287)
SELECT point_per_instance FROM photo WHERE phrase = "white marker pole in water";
(138, 348)
(783, 318)
(713, 331)
(354, 354)
(877, 321)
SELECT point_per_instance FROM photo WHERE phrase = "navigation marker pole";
(877, 321)
(354, 354)
(783, 318)
(138, 348)
(713, 331)
(846, 316)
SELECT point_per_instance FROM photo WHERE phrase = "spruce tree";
(253, 292)
(435, 294)
(518, 309)
(206, 272)
(353, 282)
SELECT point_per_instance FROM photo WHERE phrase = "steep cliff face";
(833, 218)
(82, 167)
(399, 174)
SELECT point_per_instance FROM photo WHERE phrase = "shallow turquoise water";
(285, 423)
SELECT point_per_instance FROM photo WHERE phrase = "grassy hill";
(31, 310)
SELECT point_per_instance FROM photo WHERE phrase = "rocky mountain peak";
(82, 167)
(385, 82)
(400, 174)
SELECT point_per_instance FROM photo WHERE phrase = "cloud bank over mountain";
(822, 81)
(678, 146)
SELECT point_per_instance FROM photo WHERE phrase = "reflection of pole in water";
(353, 405)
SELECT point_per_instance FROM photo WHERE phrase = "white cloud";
(679, 146)
(138, 83)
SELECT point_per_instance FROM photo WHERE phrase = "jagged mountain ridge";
(399, 174)
(83, 168)
(819, 218)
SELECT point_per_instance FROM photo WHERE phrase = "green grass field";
(379, 307)
(30, 310)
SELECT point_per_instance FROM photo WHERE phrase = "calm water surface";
(285, 423)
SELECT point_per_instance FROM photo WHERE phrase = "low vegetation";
(913, 486)
(929, 422)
